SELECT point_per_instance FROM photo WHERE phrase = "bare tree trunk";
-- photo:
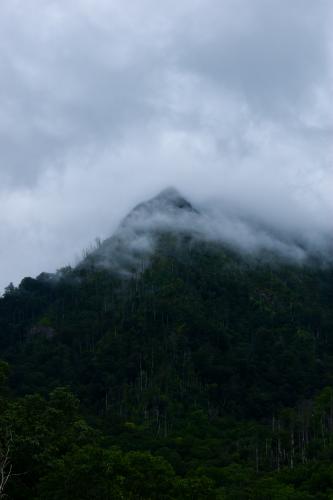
(292, 448)
(5, 465)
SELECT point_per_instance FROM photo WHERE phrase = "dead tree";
(5, 464)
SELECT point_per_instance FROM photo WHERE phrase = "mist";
(105, 104)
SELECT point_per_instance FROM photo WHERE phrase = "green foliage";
(207, 375)
(95, 473)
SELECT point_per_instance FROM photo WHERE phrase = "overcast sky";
(104, 103)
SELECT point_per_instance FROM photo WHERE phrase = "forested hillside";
(201, 374)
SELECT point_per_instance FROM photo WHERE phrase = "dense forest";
(206, 374)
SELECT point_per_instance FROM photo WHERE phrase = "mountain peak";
(173, 197)
(135, 239)
(169, 192)
(168, 199)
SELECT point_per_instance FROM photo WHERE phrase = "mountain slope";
(190, 340)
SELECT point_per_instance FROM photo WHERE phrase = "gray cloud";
(104, 103)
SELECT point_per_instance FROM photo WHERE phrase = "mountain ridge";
(212, 370)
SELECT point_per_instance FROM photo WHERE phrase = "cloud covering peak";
(105, 103)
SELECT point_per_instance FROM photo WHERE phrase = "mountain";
(201, 372)
(131, 246)
(168, 200)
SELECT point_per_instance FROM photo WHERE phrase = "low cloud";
(103, 105)
(132, 246)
